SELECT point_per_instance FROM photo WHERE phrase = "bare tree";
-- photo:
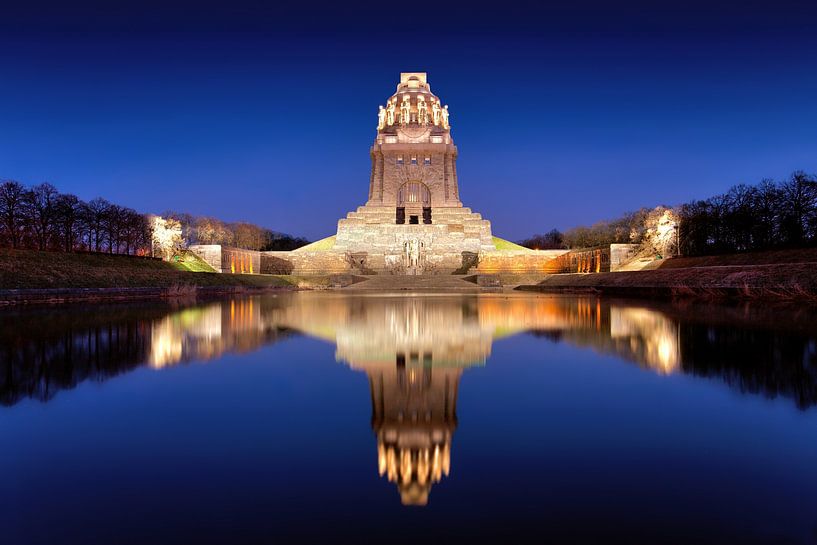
(552, 240)
(114, 224)
(68, 209)
(40, 205)
(799, 199)
(12, 211)
(248, 236)
(135, 231)
(95, 217)
(213, 231)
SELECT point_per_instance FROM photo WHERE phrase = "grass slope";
(319, 246)
(188, 261)
(502, 244)
(28, 269)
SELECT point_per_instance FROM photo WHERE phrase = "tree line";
(209, 230)
(629, 228)
(752, 217)
(770, 214)
(42, 218)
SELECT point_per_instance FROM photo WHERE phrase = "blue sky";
(563, 113)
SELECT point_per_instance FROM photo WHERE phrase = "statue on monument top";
(435, 112)
(422, 111)
(405, 110)
(381, 118)
(445, 117)
(390, 113)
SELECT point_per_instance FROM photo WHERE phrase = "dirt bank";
(28, 276)
(791, 281)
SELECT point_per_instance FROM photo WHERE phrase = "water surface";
(409, 418)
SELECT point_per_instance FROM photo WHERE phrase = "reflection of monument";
(414, 416)
(413, 349)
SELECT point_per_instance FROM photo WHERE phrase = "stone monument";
(413, 220)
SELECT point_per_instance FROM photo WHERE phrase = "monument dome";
(413, 113)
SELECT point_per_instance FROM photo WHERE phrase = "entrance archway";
(414, 194)
(414, 201)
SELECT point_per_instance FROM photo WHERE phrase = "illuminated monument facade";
(413, 221)
(414, 217)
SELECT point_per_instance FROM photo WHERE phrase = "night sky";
(563, 113)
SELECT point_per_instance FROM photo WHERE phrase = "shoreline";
(55, 296)
(778, 282)
(32, 277)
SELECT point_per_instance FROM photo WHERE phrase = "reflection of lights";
(667, 355)
(193, 332)
(427, 330)
(165, 346)
(413, 470)
(653, 338)
(413, 349)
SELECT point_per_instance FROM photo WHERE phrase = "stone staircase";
(372, 229)
(440, 215)
(641, 264)
(371, 215)
(439, 282)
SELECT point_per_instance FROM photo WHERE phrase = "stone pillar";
(455, 193)
(376, 178)
(379, 175)
(371, 176)
(447, 176)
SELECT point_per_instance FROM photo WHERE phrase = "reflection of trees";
(768, 362)
(45, 351)
(764, 350)
(767, 350)
(637, 334)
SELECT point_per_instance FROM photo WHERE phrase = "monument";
(413, 221)
(413, 217)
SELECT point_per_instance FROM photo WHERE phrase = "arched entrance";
(413, 203)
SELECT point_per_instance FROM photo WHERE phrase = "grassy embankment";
(778, 274)
(505, 245)
(321, 245)
(27, 269)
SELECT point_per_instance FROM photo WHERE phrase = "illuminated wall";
(225, 259)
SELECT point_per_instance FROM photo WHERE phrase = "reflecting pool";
(326, 416)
